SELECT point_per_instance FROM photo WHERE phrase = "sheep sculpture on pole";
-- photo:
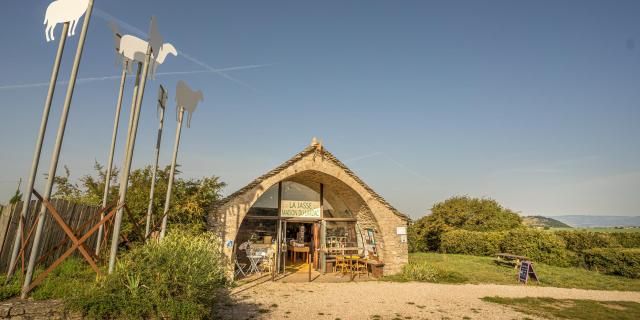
(187, 99)
(61, 11)
(131, 48)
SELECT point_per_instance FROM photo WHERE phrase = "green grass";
(9, 290)
(598, 229)
(571, 309)
(73, 274)
(472, 269)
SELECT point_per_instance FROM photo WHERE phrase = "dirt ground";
(264, 299)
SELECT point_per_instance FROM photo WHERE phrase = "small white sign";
(401, 230)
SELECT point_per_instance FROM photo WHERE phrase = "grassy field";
(597, 229)
(472, 269)
(571, 309)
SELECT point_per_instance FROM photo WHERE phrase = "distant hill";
(584, 221)
(542, 222)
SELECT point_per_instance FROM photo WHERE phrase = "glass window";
(341, 234)
(267, 204)
(298, 192)
(333, 205)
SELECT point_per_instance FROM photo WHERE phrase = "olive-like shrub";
(179, 277)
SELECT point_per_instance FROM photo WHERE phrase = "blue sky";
(532, 103)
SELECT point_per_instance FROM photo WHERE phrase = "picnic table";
(510, 259)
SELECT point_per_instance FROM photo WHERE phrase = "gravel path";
(390, 300)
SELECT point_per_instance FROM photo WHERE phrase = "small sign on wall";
(300, 209)
(401, 231)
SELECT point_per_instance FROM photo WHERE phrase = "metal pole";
(161, 102)
(167, 201)
(114, 134)
(132, 112)
(56, 150)
(124, 176)
(26, 198)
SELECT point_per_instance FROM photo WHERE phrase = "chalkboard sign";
(527, 272)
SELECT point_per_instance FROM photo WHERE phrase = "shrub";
(179, 278)
(538, 245)
(581, 240)
(424, 234)
(618, 261)
(627, 239)
(471, 242)
(425, 272)
(475, 214)
(460, 213)
(74, 274)
(10, 289)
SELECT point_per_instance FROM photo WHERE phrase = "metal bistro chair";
(359, 267)
(266, 265)
(241, 266)
(342, 264)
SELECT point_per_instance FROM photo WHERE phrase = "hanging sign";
(300, 209)
(527, 272)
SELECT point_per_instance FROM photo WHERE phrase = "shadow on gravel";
(236, 307)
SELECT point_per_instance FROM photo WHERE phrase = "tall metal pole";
(26, 198)
(56, 150)
(162, 100)
(114, 135)
(124, 176)
(167, 201)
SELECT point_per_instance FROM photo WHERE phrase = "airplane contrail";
(108, 17)
(361, 157)
(92, 79)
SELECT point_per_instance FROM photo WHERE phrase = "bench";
(508, 259)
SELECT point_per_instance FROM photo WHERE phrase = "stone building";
(313, 199)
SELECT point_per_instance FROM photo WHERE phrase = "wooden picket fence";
(54, 243)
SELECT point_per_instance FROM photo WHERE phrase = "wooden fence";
(74, 214)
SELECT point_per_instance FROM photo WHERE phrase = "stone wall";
(35, 310)
(308, 166)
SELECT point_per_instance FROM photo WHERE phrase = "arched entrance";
(330, 197)
(305, 222)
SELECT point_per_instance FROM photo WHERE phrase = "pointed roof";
(326, 155)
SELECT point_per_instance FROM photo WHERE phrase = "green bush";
(627, 239)
(618, 261)
(74, 274)
(582, 240)
(475, 214)
(10, 289)
(471, 242)
(424, 234)
(177, 278)
(459, 213)
(426, 272)
(538, 245)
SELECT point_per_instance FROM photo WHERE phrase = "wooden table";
(509, 259)
(295, 250)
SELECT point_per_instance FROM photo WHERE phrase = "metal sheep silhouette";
(131, 48)
(187, 99)
(61, 11)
